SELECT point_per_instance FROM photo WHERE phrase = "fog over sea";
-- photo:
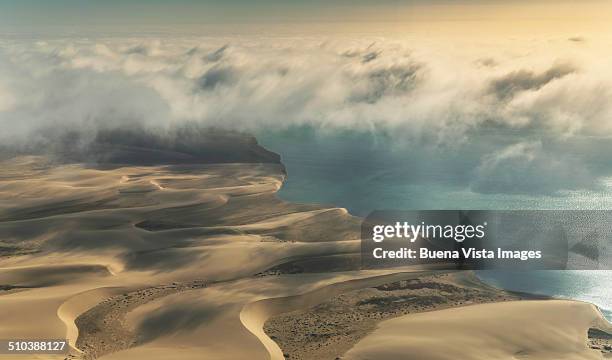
(371, 171)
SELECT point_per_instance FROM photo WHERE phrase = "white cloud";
(526, 167)
(424, 94)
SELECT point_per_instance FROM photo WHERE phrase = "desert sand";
(189, 260)
(550, 329)
(332, 327)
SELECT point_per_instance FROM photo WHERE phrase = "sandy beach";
(197, 260)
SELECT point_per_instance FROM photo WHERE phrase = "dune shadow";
(174, 318)
(162, 260)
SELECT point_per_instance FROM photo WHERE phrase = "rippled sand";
(190, 261)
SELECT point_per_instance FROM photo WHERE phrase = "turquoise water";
(364, 172)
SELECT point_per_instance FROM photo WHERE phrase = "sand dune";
(548, 330)
(255, 314)
(179, 260)
(80, 234)
(328, 326)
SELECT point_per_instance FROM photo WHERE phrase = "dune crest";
(540, 330)
(87, 243)
(174, 258)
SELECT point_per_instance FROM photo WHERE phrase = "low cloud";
(522, 80)
(527, 168)
(503, 110)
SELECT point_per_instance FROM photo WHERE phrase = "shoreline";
(276, 325)
(606, 311)
(159, 228)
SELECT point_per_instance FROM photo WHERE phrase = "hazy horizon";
(269, 16)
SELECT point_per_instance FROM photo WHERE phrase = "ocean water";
(363, 172)
(585, 285)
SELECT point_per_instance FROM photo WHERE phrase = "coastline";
(277, 325)
(315, 177)
(158, 261)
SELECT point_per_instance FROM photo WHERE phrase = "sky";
(183, 15)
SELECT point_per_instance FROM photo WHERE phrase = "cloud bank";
(521, 114)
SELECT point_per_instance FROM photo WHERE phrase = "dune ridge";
(492, 331)
(124, 229)
(179, 259)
